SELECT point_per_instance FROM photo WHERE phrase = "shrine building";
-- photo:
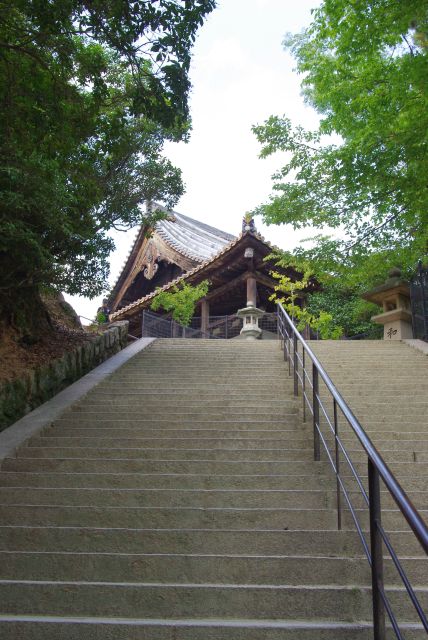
(180, 249)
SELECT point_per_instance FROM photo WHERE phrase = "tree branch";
(31, 54)
(371, 231)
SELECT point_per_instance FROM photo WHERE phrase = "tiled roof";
(192, 238)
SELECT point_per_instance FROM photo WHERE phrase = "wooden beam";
(252, 291)
(205, 315)
(225, 287)
(262, 278)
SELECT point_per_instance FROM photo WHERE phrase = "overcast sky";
(240, 75)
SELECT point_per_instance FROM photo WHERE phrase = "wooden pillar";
(252, 290)
(205, 314)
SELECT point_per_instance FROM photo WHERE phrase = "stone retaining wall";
(19, 397)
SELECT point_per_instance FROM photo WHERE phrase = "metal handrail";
(377, 468)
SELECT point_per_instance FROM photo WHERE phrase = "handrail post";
(376, 553)
(283, 342)
(337, 462)
(316, 411)
(295, 365)
(304, 384)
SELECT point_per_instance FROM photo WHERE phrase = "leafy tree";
(181, 301)
(288, 291)
(347, 310)
(363, 171)
(89, 91)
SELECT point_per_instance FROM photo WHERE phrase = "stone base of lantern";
(397, 324)
(251, 332)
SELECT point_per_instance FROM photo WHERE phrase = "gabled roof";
(192, 238)
(189, 238)
(134, 307)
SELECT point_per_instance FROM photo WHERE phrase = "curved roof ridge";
(206, 227)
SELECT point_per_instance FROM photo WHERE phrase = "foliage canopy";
(181, 301)
(363, 172)
(289, 290)
(89, 91)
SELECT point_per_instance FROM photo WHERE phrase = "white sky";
(241, 75)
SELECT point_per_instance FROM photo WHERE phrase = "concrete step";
(189, 517)
(230, 466)
(180, 600)
(220, 412)
(393, 455)
(195, 498)
(383, 410)
(384, 423)
(172, 443)
(393, 442)
(185, 402)
(161, 518)
(225, 453)
(52, 628)
(199, 568)
(187, 450)
(377, 423)
(295, 434)
(409, 453)
(346, 372)
(178, 422)
(167, 481)
(256, 542)
(236, 368)
(195, 568)
(203, 394)
(221, 497)
(213, 381)
(193, 389)
(214, 467)
(187, 481)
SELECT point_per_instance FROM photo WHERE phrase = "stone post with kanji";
(394, 297)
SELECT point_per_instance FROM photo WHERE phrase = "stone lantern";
(250, 316)
(394, 297)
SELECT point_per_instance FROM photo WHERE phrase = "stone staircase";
(179, 500)
(386, 385)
